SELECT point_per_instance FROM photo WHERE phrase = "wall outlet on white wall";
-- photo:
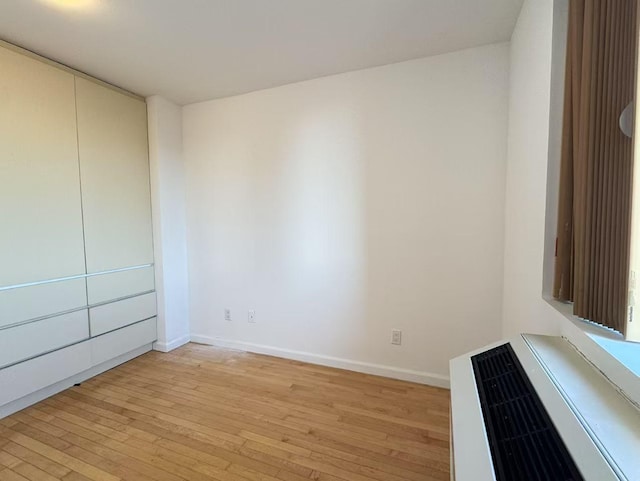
(396, 336)
(227, 314)
(252, 316)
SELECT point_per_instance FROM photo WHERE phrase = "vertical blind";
(594, 213)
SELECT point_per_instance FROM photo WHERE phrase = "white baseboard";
(36, 397)
(171, 345)
(358, 366)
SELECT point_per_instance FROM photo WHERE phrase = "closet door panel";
(40, 210)
(114, 166)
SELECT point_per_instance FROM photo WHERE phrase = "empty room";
(330, 240)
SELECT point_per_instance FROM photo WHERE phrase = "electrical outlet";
(252, 316)
(227, 314)
(396, 337)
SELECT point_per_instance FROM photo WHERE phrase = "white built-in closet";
(76, 257)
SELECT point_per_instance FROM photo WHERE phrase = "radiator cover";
(524, 443)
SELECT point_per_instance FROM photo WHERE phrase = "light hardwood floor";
(202, 413)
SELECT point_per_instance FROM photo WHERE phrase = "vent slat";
(525, 444)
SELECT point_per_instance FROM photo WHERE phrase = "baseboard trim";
(420, 377)
(44, 393)
(171, 345)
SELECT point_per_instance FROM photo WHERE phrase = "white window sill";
(617, 359)
(610, 420)
(627, 352)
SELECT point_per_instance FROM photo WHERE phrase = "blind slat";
(594, 211)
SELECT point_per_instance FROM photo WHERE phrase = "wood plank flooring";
(203, 413)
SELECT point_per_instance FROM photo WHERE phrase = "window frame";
(607, 351)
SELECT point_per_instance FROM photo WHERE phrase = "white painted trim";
(420, 377)
(606, 417)
(582, 335)
(36, 397)
(171, 345)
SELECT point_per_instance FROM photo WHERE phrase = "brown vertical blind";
(594, 212)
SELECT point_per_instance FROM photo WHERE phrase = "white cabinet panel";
(115, 315)
(59, 132)
(30, 302)
(122, 341)
(114, 161)
(40, 211)
(30, 376)
(35, 338)
(106, 287)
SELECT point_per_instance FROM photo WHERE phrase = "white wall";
(343, 207)
(530, 227)
(169, 222)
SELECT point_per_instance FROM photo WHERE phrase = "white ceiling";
(193, 50)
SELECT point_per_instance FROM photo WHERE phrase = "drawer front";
(109, 317)
(30, 302)
(39, 337)
(116, 285)
(116, 343)
(30, 376)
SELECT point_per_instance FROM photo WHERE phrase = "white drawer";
(115, 285)
(30, 376)
(35, 338)
(116, 343)
(115, 315)
(30, 302)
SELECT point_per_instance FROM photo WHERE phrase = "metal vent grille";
(524, 443)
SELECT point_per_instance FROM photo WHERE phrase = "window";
(595, 262)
